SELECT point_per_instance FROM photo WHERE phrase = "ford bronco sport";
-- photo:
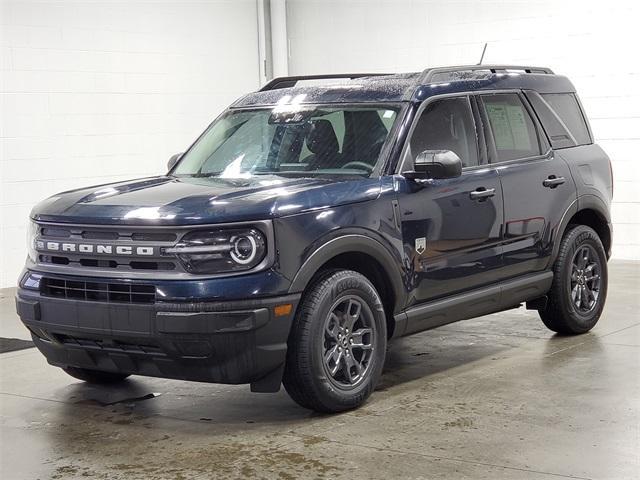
(320, 217)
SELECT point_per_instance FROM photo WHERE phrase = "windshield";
(307, 141)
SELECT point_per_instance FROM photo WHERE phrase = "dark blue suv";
(320, 217)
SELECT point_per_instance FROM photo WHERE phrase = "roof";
(379, 88)
(403, 87)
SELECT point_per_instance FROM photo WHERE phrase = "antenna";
(482, 56)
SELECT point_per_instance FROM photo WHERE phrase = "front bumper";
(230, 342)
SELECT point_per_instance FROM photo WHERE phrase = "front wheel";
(579, 287)
(337, 344)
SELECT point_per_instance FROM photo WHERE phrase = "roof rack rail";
(286, 82)
(429, 73)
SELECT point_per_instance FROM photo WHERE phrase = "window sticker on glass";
(500, 125)
(519, 129)
(509, 126)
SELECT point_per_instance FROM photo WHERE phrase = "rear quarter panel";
(591, 170)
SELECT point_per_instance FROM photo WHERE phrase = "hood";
(187, 200)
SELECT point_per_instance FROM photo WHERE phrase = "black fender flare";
(602, 208)
(595, 203)
(584, 202)
(347, 242)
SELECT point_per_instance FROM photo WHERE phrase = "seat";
(322, 142)
(365, 135)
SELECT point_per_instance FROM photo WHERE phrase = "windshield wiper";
(215, 174)
(204, 174)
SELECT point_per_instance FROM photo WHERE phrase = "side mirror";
(173, 160)
(435, 164)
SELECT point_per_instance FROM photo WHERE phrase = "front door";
(451, 228)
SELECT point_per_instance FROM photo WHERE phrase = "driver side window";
(447, 125)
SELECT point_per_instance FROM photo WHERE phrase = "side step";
(475, 303)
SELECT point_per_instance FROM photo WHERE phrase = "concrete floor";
(492, 398)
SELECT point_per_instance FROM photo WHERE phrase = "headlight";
(32, 233)
(219, 251)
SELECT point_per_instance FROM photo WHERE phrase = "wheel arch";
(592, 212)
(365, 255)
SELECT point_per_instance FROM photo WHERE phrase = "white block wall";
(595, 43)
(99, 91)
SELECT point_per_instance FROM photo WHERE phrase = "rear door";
(537, 186)
(451, 228)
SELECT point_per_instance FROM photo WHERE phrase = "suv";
(317, 219)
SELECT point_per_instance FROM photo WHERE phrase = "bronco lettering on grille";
(93, 248)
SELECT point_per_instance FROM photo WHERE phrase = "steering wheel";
(358, 166)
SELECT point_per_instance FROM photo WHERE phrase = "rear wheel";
(579, 288)
(337, 344)
(95, 376)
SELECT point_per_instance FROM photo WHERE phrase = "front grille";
(110, 345)
(97, 291)
(112, 237)
(118, 251)
(104, 234)
(100, 263)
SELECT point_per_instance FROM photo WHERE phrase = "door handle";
(552, 181)
(482, 193)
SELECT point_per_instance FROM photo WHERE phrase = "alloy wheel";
(349, 339)
(585, 279)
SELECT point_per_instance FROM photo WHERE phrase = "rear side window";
(566, 107)
(514, 132)
(555, 128)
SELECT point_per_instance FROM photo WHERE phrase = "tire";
(95, 376)
(577, 297)
(330, 367)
